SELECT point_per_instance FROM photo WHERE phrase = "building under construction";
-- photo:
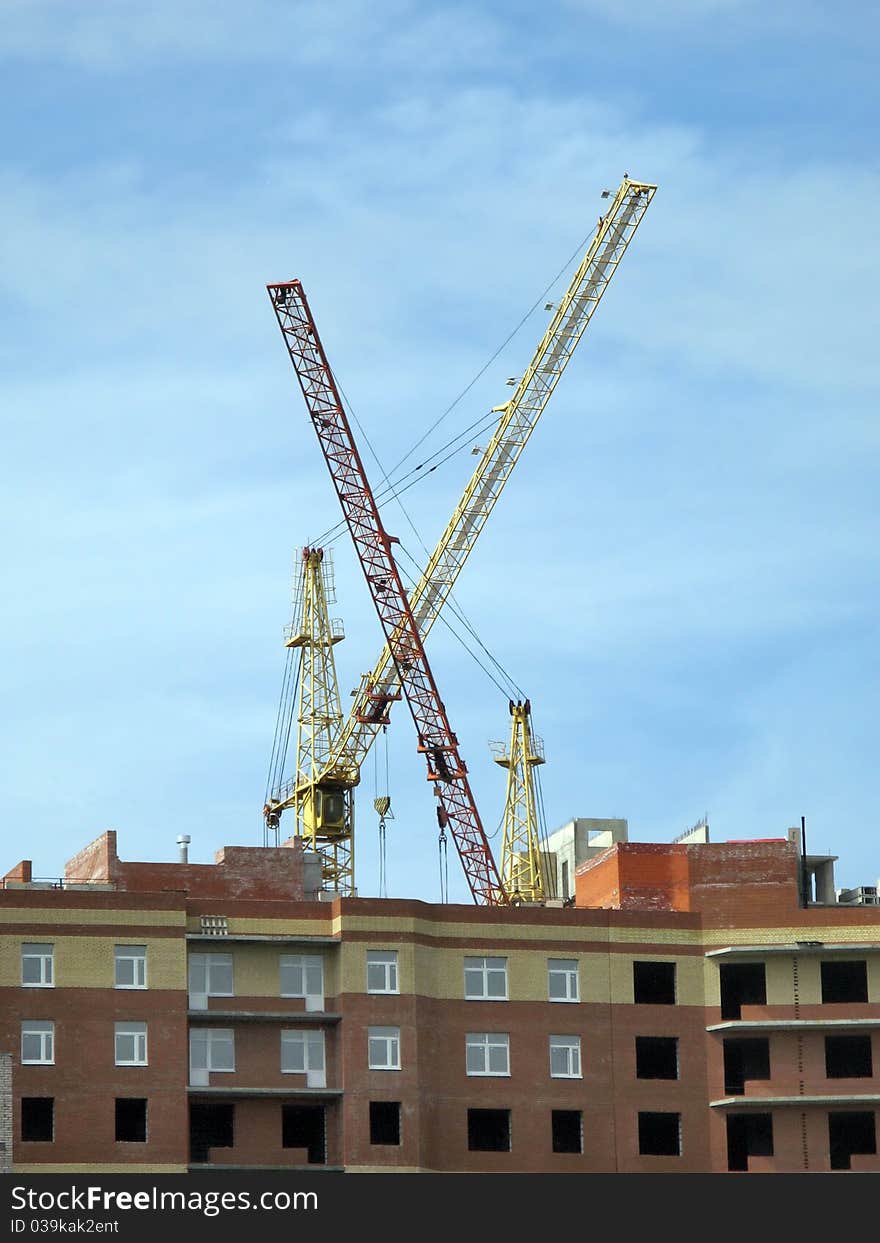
(689, 1007)
(605, 1005)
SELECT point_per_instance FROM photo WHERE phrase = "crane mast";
(523, 873)
(437, 742)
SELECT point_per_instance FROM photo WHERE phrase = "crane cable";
(482, 423)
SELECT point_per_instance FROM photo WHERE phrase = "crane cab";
(325, 809)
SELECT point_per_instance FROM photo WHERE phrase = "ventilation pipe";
(183, 842)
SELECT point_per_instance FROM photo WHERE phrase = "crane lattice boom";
(446, 769)
(518, 419)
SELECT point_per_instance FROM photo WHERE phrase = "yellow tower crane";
(518, 419)
(523, 874)
(324, 806)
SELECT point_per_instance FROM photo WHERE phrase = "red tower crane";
(446, 770)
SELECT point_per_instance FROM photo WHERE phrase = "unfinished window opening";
(654, 983)
(850, 1134)
(567, 1130)
(385, 1122)
(742, 984)
(656, 1057)
(659, 1135)
(748, 1135)
(131, 1120)
(303, 1126)
(488, 1130)
(38, 1119)
(844, 981)
(211, 1125)
(848, 1057)
(743, 1060)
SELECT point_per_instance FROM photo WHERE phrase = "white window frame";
(304, 1047)
(130, 1031)
(569, 1047)
(383, 1048)
(482, 1045)
(44, 954)
(44, 1031)
(478, 976)
(198, 998)
(136, 955)
(213, 1038)
(568, 971)
(308, 981)
(382, 973)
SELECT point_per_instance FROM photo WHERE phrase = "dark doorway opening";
(742, 984)
(211, 1125)
(302, 1126)
(568, 1131)
(744, 1059)
(850, 1134)
(748, 1135)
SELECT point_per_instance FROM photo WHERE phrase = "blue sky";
(682, 573)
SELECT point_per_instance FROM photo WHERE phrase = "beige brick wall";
(88, 961)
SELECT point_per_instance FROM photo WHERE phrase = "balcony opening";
(131, 1120)
(748, 1135)
(744, 1060)
(848, 1057)
(385, 1122)
(211, 1125)
(850, 1134)
(742, 984)
(567, 1130)
(656, 1057)
(844, 981)
(659, 1135)
(654, 983)
(38, 1119)
(488, 1130)
(302, 1126)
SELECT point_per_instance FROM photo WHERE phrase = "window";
(131, 966)
(210, 975)
(844, 981)
(382, 971)
(131, 1120)
(302, 975)
(485, 979)
(656, 1057)
(744, 1060)
(562, 979)
(567, 1130)
(488, 1130)
(659, 1135)
(37, 1043)
(302, 1053)
(742, 984)
(565, 1057)
(384, 1048)
(211, 1049)
(748, 1135)
(848, 1057)
(131, 1044)
(487, 1053)
(654, 983)
(385, 1122)
(37, 1119)
(37, 966)
(851, 1133)
(302, 1126)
